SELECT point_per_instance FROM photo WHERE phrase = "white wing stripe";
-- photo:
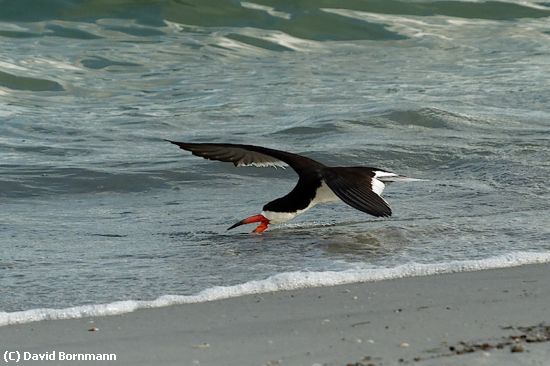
(377, 186)
(264, 164)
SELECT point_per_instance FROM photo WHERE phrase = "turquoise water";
(96, 208)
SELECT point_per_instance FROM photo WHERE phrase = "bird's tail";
(400, 178)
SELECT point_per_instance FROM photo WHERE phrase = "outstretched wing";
(359, 188)
(248, 155)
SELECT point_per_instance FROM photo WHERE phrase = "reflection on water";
(372, 244)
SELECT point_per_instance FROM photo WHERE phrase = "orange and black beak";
(249, 220)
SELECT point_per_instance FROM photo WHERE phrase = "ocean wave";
(17, 82)
(279, 282)
(39, 181)
(435, 118)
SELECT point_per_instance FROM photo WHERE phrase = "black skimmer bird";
(359, 187)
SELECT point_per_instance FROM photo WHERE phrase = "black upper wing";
(246, 155)
(354, 186)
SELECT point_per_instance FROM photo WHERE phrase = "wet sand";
(493, 317)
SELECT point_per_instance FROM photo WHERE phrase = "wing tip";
(181, 145)
(357, 192)
(170, 141)
(382, 210)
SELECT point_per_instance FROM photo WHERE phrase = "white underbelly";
(324, 195)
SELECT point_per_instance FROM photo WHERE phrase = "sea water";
(99, 215)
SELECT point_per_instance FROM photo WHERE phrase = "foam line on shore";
(279, 282)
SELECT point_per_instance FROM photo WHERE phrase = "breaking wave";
(279, 282)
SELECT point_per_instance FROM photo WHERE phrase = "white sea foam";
(11, 66)
(267, 9)
(279, 282)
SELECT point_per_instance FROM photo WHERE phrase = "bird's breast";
(323, 194)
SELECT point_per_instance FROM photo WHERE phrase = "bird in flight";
(359, 187)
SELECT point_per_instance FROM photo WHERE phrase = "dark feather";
(354, 187)
(245, 155)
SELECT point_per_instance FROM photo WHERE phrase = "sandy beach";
(492, 317)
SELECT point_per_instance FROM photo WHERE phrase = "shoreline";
(287, 281)
(457, 318)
